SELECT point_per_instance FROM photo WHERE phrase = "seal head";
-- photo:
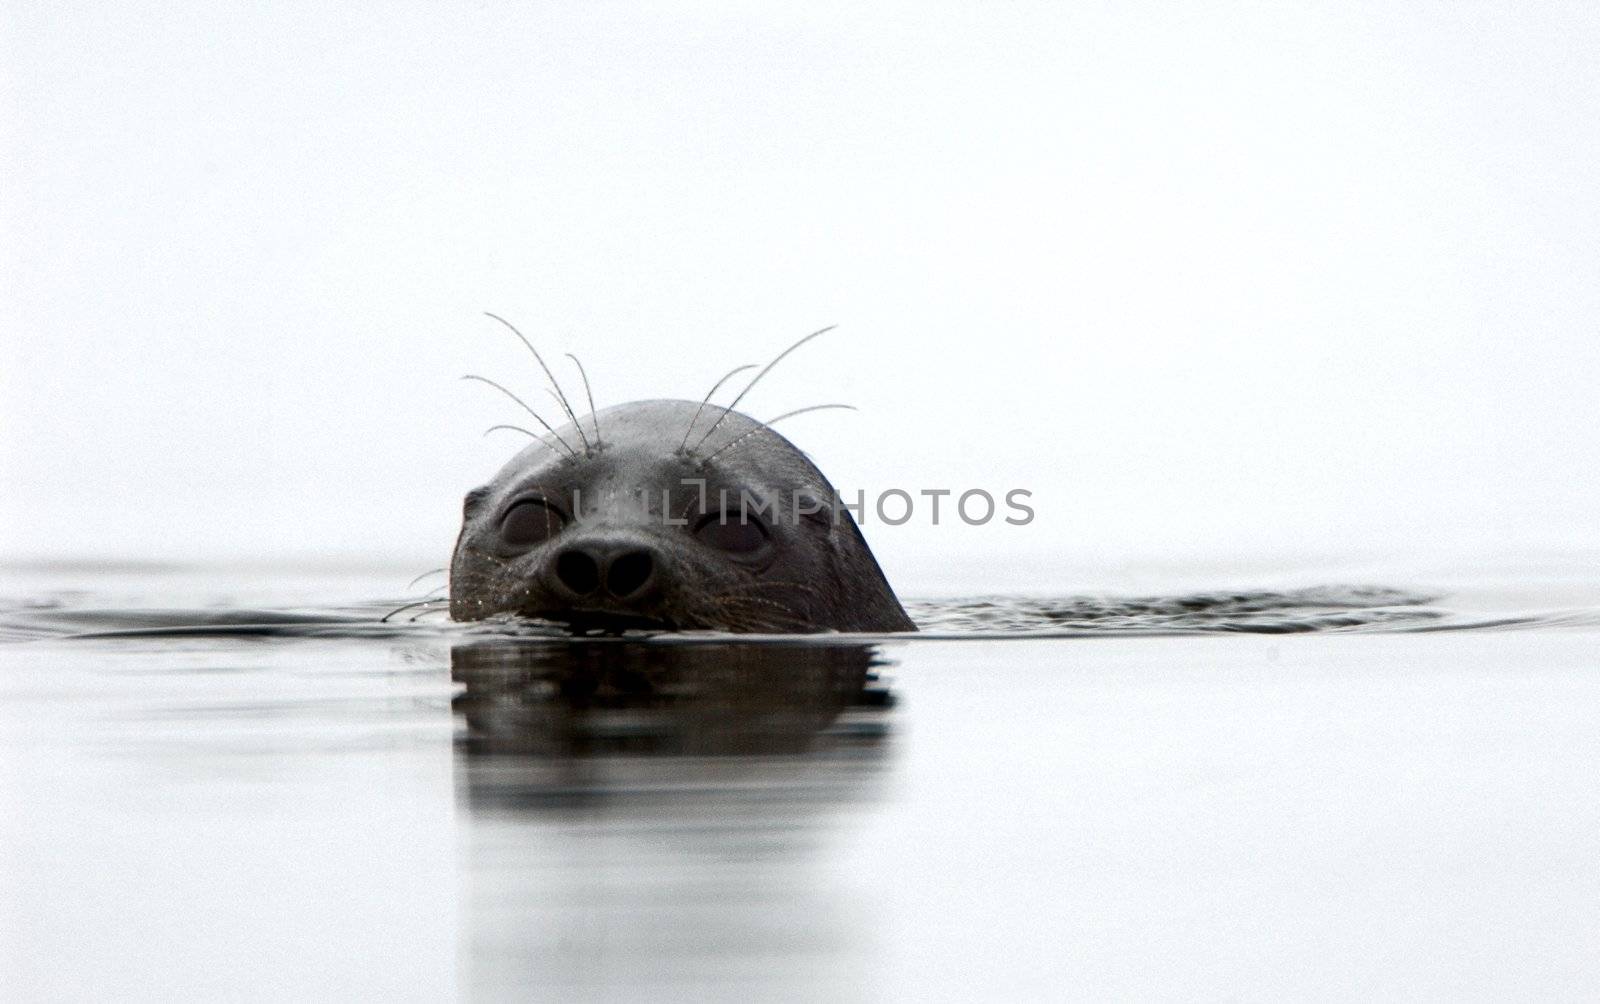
(739, 533)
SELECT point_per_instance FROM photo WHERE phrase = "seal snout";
(624, 571)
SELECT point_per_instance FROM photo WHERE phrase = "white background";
(1215, 282)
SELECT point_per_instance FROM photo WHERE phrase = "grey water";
(288, 784)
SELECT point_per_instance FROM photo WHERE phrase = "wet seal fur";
(643, 528)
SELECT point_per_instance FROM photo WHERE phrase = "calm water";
(248, 787)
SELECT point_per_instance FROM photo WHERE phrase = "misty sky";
(1219, 280)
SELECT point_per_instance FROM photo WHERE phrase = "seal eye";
(528, 523)
(727, 532)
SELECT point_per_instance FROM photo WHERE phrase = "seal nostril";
(578, 572)
(629, 573)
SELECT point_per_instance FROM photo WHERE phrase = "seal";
(673, 515)
(697, 698)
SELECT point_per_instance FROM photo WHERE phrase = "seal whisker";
(764, 426)
(773, 583)
(769, 614)
(729, 611)
(779, 584)
(409, 606)
(705, 400)
(757, 379)
(771, 610)
(594, 416)
(563, 405)
(525, 407)
(418, 616)
(734, 600)
(738, 594)
(561, 397)
(526, 432)
(748, 619)
(738, 625)
(424, 575)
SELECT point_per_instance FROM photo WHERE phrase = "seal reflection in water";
(546, 721)
(649, 815)
(551, 698)
(668, 515)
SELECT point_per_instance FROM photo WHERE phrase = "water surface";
(253, 788)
